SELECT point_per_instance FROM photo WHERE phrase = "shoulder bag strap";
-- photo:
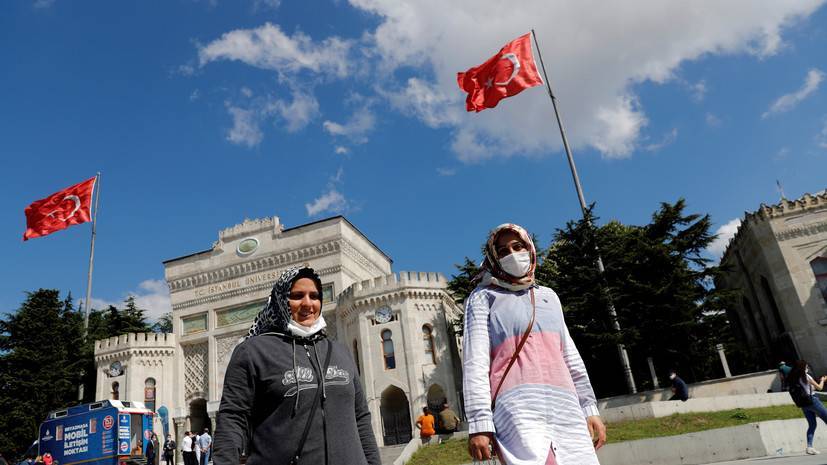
(517, 350)
(323, 371)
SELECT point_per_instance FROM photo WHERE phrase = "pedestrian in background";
(680, 391)
(196, 447)
(151, 451)
(802, 388)
(205, 443)
(425, 423)
(543, 411)
(169, 450)
(448, 420)
(186, 448)
(783, 372)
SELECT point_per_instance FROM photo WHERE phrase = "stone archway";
(396, 416)
(199, 419)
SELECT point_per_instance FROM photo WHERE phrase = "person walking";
(448, 420)
(169, 450)
(527, 393)
(783, 372)
(802, 388)
(196, 447)
(287, 379)
(205, 444)
(425, 423)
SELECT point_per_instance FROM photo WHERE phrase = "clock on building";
(115, 369)
(383, 314)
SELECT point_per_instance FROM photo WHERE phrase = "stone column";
(652, 372)
(720, 348)
(178, 434)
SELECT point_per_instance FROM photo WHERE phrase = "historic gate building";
(397, 325)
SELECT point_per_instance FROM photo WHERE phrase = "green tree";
(164, 324)
(132, 318)
(40, 360)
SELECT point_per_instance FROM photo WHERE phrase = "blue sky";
(200, 114)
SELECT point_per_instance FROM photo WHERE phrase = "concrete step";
(390, 453)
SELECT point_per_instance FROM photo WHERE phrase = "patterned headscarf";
(492, 273)
(276, 312)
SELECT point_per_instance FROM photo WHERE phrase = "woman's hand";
(479, 445)
(597, 430)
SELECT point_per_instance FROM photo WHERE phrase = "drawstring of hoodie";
(296, 376)
(321, 375)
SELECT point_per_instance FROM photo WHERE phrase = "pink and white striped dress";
(541, 409)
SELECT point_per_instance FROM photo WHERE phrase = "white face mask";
(516, 264)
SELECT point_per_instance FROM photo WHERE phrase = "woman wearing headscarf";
(527, 394)
(291, 395)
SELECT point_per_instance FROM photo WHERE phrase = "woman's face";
(305, 303)
(507, 243)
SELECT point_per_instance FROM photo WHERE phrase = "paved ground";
(390, 453)
(783, 460)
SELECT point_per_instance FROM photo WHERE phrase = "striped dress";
(541, 409)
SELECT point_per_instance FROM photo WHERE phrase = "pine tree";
(39, 365)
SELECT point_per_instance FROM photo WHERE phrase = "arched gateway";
(396, 416)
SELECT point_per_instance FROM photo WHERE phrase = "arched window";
(387, 350)
(116, 395)
(149, 393)
(819, 266)
(356, 356)
(428, 341)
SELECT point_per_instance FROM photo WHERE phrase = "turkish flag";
(507, 73)
(60, 210)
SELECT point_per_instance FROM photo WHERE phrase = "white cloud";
(429, 103)
(330, 202)
(712, 120)
(788, 101)
(341, 150)
(698, 90)
(725, 233)
(821, 137)
(267, 47)
(245, 130)
(266, 4)
(152, 296)
(593, 76)
(298, 113)
(782, 154)
(195, 95)
(667, 139)
(43, 3)
(356, 128)
(446, 171)
(246, 91)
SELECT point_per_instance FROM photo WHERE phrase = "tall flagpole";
(87, 303)
(621, 349)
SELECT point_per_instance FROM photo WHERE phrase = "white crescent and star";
(73, 198)
(515, 62)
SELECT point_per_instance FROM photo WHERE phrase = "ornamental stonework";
(224, 347)
(195, 369)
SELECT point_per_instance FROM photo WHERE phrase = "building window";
(356, 356)
(149, 393)
(819, 266)
(387, 349)
(428, 341)
(116, 387)
(327, 293)
(194, 324)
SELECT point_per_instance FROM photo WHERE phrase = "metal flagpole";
(87, 303)
(624, 357)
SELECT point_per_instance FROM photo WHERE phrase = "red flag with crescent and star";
(506, 74)
(60, 210)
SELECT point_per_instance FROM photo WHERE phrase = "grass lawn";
(455, 452)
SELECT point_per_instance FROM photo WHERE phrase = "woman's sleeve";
(366, 436)
(577, 369)
(233, 418)
(476, 363)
